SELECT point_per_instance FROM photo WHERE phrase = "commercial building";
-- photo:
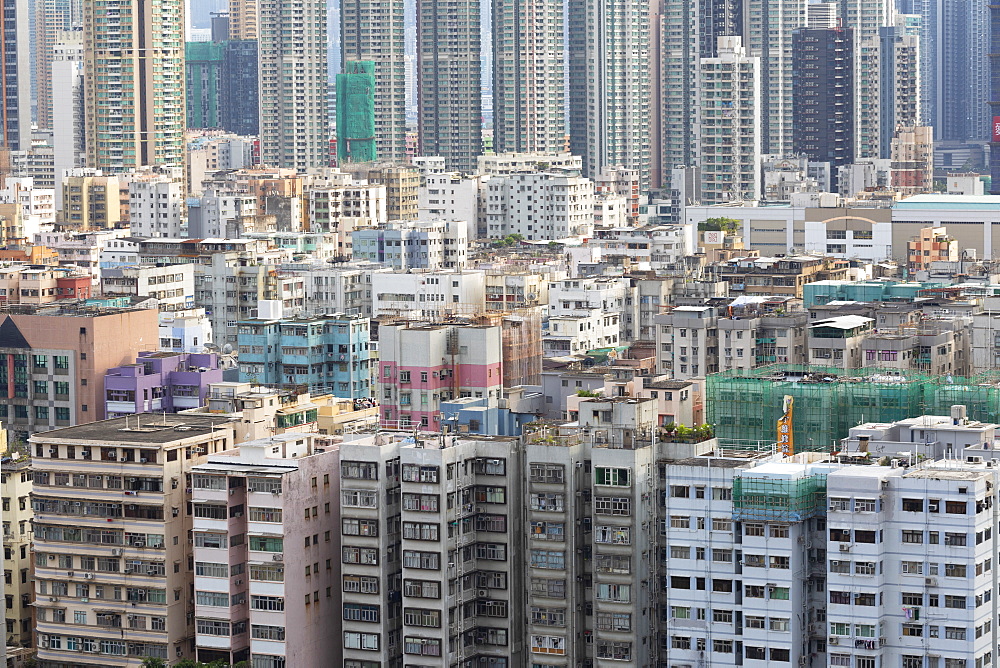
(449, 99)
(251, 543)
(56, 360)
(134, 100)
(294, 132)
(113, 563)
(730, 119)
(324, 353)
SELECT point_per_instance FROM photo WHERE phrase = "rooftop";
(145, 428)
(956, 202)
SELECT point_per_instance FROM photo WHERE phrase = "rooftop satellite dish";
(227, 349)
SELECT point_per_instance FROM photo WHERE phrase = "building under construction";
(745, 405)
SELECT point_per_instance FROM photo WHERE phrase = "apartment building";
(112, 550)
(413, 244)
(18, 572)
(56, 358)
(539, 206)
(156, 203)
(444, 517)
(422, 364)
(160, 382)
(90, 201)
(453, 196)
(340, 288)
(423, 294)
(265, 553)
(171, 285)
(328, 353)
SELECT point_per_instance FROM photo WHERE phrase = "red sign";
(996, 128)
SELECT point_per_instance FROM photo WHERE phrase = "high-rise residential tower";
(769, 27)
(684, 32)
(995, 97)
(899, 82)
(729, 124)
(823, 75)
(52, 18)
(134, 63)
(15, 105)
(243, 20)
(528, 77)
(866, 17)
(609, 85)
(382, 41)
(294, 131)
(449, 103)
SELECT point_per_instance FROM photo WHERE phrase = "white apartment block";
(539, 206)
(341, 288)
(341, 209)
(404, 244)
(214, 215)
(216, 152)
(156, 206)
(501, 164)
(266, 554)
(112, 550)
(171, 285)
(585, 314)
(452, 196)
(38, 205)
(428, 294)
(729, 124)
(577, 334)
(184, 331)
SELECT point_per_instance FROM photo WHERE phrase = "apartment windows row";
(106, 647)
(722, 646)
(684, 522)
(696, 491)
(102, 619)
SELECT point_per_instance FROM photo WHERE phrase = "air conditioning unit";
(845, 548)
(151, 571)
(930, 582)
(84, 600)
(483, 592)
(278, 557)
(231, 492)
(238, 582)
(128, 569)
(480, 509)
(117, 552)
(53, 599)
(88, 576)
(834, 640)
(69, 574)
(139, 543)
(197, 449)
(123, 459)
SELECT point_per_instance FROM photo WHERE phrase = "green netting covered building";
(356, 113)
(780, 493)
(744, 405)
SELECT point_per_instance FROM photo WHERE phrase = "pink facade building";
(422, 365)
(265, 547)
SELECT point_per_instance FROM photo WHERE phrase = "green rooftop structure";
(780, 493)
(356, 113)
(744, 405)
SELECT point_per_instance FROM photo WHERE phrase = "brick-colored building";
(53, 360)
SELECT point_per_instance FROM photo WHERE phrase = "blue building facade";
(328, 354)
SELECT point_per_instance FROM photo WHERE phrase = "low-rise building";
(160, 382)
(413, 244)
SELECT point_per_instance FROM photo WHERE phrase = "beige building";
(18, 571)
(931, 245)
(113, 555)
(91, 202)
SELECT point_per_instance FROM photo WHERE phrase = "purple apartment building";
(160, 382)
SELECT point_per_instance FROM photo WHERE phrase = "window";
(548, 588)
(421, 617)
(421, 589)
(546, 473)
(211, 570)
(215, 599)
(544, 530)
(421, 531)
(421, 560)
(614, 650)
(265, 514)
(212, 627)
(416, 473)
(955, 570)
(547, 559)
(753, 529)
(612, 505)
(421, 646)
(612, 535)
(424, 503)
(865, 505)
(955, 602)
(613, 477)
(955, 507)
(356, 527)
(910, 536)
(358, 498)
(616, 593)
(546, 502)
(359, 470)
(365, 641)
(273, 603)
(359, 555)
(722, 646)
(680, 491)
(354, 612)
(548, 645)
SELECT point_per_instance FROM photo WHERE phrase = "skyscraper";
(239, 108)
(371, 30)
(609, 85)
(294, 131)
(528, 76)
(866, 17)
(15, 105)
(995, 97)
(729, 118)
(684, 33)
(134, 63)
(449, 103)
(243, 20)
(823, 80)
(769, 27)
(52, 17)
(899, 83)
